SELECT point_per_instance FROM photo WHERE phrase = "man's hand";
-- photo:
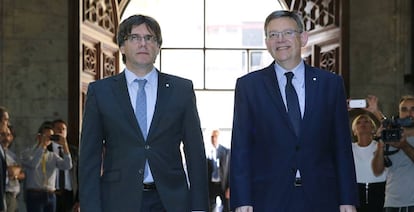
(347, 208)
(244, 209)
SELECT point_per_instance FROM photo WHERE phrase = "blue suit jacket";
(111, 139)
(266, 151)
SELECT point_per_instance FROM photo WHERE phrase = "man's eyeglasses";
(135, 38)
(285, 34)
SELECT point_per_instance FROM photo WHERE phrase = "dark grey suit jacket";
(113, 150)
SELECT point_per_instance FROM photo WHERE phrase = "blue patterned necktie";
(141, 107)
(141, 115)
(292, 103)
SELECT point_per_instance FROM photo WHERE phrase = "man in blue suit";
(131, 162)
(277, 163)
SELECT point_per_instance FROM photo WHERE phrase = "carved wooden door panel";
(326, 22)
(94, 53)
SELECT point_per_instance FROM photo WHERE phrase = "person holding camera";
(41, 166)
(371, 188)
(66, 180)
(399, 158)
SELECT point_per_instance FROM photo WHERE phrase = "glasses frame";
(136, 38)
(290, 33)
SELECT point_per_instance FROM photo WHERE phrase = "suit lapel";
(163, 99)
(311, 85)
(272, 87)
(122, 97)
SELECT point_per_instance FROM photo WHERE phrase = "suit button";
(141, 171)
(297, 148)
(147, 146)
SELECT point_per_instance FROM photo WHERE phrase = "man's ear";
(304, 38)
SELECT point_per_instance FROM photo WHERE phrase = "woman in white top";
(371, 187)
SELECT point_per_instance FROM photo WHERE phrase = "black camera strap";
(387, 152)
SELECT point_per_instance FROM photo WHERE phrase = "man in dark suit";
(285, 158)
(218, 172)
(130, 158)
(66, 180)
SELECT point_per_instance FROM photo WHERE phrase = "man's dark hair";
(2, 111)
(288, 14)
(135, 20)
(46, 125)
(57, 121)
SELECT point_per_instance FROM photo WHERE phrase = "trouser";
(296, 202)
(64, 200)
(151, 202)
(11, 202)
(371, 197)
(40, 201)
(215, 190)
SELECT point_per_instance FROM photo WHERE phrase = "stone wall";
(380, 50)
(33, 65)
(34, 68)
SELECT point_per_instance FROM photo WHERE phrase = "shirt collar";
(298, 71)
(151, 77)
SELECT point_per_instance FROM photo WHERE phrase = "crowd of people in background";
(384, 157)
(43, 174)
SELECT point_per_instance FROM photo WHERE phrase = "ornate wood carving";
(322, 19)
(110, 65)
(100, 13)
(317, 13)
(90, 57)
(329, 60)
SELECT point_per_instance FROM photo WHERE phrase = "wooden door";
(327, 24)
(94, 53)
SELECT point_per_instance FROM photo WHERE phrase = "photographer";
(399, 187)
(41, 166)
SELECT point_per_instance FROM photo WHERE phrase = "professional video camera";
(392, 128)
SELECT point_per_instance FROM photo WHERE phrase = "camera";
(392, 128)
(54, 137)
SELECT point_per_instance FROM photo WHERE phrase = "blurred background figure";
(4, 122)
(4, 117)
(14, 169)
(397, 158)
(218, 173)
(66, 180)
(371, 187)
(40, 167)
